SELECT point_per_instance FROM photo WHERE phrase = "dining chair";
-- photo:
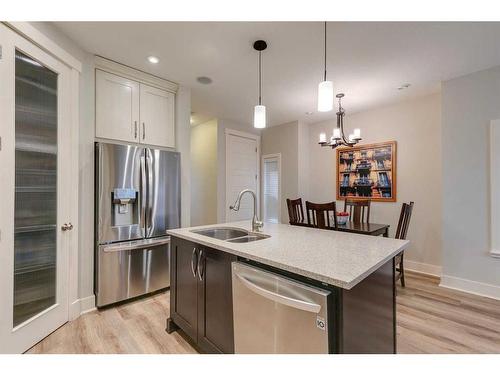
(319, 215)
(401, 231)
(295, 211)
(359, 210)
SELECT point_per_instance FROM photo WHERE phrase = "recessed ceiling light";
(153, 59)
(309, 113)
(204, 80)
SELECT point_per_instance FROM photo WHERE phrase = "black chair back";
(318, 215)
(295, 211)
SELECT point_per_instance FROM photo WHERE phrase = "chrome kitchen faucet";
(256, 223)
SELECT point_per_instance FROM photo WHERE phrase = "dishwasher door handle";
(276, 297)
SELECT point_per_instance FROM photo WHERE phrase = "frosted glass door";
(39, 192)
(35, 222)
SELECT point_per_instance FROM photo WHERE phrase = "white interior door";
(242, 172)
(37, 192)
(157, 117)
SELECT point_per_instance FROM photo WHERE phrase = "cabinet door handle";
(143, 130)
(193, 262)
(200, 266)
(135, 129)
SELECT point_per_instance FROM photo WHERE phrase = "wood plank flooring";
(133, 328)
(431, 319)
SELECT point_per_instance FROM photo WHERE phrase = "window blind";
(271, 180)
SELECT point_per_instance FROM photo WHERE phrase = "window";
(271, 189)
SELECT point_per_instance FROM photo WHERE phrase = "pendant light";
(259, 114)
(325, 90)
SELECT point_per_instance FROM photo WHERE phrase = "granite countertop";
(336, 258)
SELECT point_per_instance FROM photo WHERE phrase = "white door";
(157, 117)
(36, 191)
(271, 188)
(242, 172)
(116, 107)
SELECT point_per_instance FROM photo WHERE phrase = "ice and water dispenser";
(124, 207)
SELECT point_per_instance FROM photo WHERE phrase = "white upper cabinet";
(117, 107)
(134, 106)
(157, 117)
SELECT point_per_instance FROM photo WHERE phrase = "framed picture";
(367, 172)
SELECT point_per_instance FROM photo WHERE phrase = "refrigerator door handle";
(143, 191)
(135, 246)
(150, 191)
(276, 297)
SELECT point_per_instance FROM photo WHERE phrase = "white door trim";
(494, 185)
(42, 41)
(272, 156)
(73, 268)
(231, 132)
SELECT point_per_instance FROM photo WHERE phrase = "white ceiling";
(366, 61)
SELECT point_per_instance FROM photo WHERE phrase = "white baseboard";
(469, 286)
(495, 253)
(425, 268)
(81, 306)
(87, 304)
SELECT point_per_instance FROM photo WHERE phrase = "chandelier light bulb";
(322, 138)
(357, 133)
(336, 133)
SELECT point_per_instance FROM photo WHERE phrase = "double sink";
(234, 235)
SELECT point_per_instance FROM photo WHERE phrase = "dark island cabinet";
(201, 295)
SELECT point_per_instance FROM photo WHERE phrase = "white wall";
(283, 139)
(416, 126)
(469, 103)
(204, 173)
(303, 152)
(183, 143)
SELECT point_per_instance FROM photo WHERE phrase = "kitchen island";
(357, 271)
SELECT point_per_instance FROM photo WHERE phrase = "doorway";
(242, 172)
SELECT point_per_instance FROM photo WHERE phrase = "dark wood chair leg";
(402, 271)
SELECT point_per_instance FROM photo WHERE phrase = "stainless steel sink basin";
(249, 238)
(222, 233)
(231, 234)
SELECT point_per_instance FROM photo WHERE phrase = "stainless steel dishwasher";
(275, 314)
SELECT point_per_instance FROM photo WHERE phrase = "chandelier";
(338, 138)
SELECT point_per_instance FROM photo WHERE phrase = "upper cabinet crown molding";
(135, 74)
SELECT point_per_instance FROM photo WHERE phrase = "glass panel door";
(39, 190)
(35, 222)
(271, 188)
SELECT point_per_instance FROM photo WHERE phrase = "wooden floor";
(431, 319)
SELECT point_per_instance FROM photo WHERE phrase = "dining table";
(371, 229)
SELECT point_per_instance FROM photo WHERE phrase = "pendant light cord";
(260, 77)
(325, 53)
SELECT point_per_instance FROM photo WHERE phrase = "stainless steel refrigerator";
(137, 197)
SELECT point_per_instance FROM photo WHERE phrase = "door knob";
(66, 227)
